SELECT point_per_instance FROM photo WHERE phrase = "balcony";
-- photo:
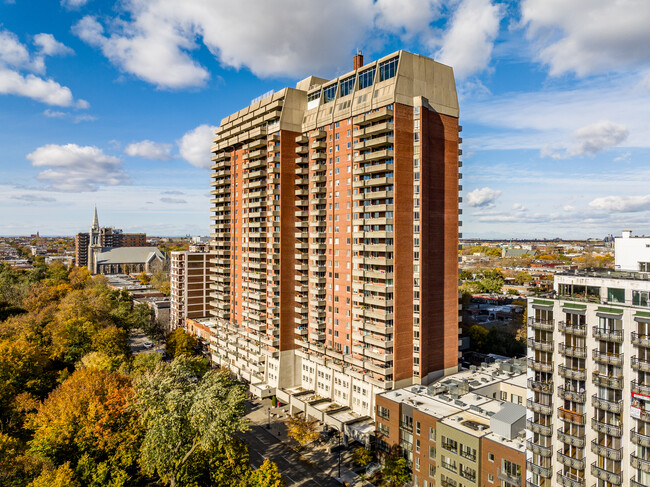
(640, 340)
(571, 462)
(640, 388)
(542, 429)
(568, 439)
(571, 416)
(570, 480)
(540, 366)
(606, 405)
(542, 346)
(606, 475)
(570, 395)
(642, 365)
(640, 463)
(608, 358)
(607, 452)
(613, 382)
(608, 429)
(639, 439)
(545, 472)
(539, 407)
(570, 373)
(540, 450)
(508, 478)
(578, 352)
(541, 324)
(579, 330)
(608, 335)
(538, 386)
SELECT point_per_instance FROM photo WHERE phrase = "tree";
(185, 408)
(87, 421)
(396, 470)
(477, 337)
(361, 457)
(522, 277)
(144, 278)
(302, 430)
(63, 476)
(267, 475)
(181, 343)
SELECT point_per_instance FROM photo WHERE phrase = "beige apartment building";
(335, 234)
(467, 430)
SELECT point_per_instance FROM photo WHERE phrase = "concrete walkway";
(322, 454)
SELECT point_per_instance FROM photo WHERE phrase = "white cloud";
(77, 168)
(173, 201)
(54, 113)
(195, 145)
(149, 150)
(14, 58)
(623, 157)
(31, 198)
(407, 18)
(589, 36)
(519, 207)
(467, 44)
(568, 208)
(73, 3)
(591, 140)
(483, 198)
(49, 46)
(621, 204)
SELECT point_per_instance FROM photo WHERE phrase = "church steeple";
(94, 243)
(95, 221)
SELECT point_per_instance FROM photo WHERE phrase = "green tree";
(522, 277)
(477, 337)
(361, 457)
(396, 470)
(177, 403)
(267, 475)
(181, 343)
(62, 476)
(302, 430)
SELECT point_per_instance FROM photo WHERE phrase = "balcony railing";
(607, 358)
(569, 461)
(539, 386)
(580, 330)
(540, 345)
(545, 325)
(639, 439)
(508, 478)
(571, 416)
(606, 475)
(570, 395)
(638, 364)
(540, 366)
(613, 382)
(640, 463)
(606, 405)
(538, 407)
(569, 480)
(606, 452)
(608, 429)
(540, 450)
(578, 352)
(545, 472)
(608, 335)
(572, 440)
(542, 429)
(572, 373)
(640, 388)
(640, 340)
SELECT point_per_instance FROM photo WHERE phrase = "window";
(387, 69)
(615, 295)
(432, 452)
(313, 96)
(640, 298)
(383, 412)
(511, 469)
(329, 93)
(347, 85)
(491, 457)
(366, 78)
(383, 429)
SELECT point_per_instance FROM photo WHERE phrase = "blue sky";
(113, 103)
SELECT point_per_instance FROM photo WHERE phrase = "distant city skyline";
(555, 124)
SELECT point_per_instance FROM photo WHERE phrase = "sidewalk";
(318, 453)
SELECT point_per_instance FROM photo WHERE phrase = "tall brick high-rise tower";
(335, 233)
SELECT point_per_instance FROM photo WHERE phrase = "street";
(296, 471)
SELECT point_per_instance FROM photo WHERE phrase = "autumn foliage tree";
(303, 430)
